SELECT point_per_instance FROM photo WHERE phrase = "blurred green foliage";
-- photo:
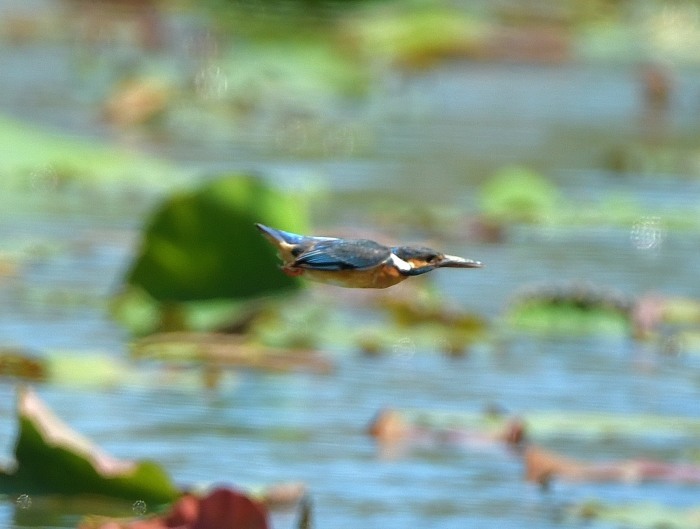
(203, 244)
(518, 194)
(548, 426)
(413, 37)
(421, 32)
(201, 257)
(639, 515)
(570, 309)
(567, 319)
(35, 160)
(50, 458)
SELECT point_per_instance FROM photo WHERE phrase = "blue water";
(433, 137)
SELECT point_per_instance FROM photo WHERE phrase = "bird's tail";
(279, 236)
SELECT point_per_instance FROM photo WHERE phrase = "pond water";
(430, 140)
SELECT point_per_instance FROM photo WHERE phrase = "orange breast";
(379, 277)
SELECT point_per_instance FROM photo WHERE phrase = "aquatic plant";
(51, 458)
(201, 245)
(518, 194)
(570, 308)
(39, 161)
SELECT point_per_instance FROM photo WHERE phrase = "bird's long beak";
(452, 261)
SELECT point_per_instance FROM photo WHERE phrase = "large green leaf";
(203, 244)
(52, 458)
(34, 159)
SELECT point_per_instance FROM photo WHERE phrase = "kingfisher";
(356, 263)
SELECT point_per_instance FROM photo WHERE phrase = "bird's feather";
(293, 239)
(343, 254)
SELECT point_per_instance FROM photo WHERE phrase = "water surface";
(434, 137)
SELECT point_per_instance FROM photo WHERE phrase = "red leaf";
(228, 509)
(222, 509)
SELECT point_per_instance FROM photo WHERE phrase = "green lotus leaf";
(518, 194)
(203, 245)
(53, 459)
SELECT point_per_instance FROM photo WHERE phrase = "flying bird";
(356, 263)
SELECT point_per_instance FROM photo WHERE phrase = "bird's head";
(423, 259)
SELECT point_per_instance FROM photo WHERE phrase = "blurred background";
(557, 143)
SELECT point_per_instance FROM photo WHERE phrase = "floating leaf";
(217, 351)
(414, 37)
(34, 159)
(52, 458)
(57, 510)
(640, 516)
(410, 313)
(201, 257)
(680, 311)
(542, 425)
(567, 320)
(203, 244)
(392, 428)
(222, 508)
(542, 465)
(606, 425)
(518, 194)
(570, 308)
(18, 363)
(79, 369)
(97, 370)
(137, 101)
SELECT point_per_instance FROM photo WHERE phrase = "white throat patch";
(400, 264)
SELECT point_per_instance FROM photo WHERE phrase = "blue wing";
(343, 254)
(293, 239)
